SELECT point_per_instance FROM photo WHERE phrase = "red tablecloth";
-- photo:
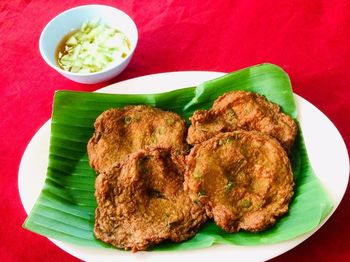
(309, 39)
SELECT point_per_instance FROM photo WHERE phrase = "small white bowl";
(73, 18)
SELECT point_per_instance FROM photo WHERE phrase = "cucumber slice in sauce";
(92, 48)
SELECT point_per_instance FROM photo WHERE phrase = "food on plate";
(119, 132)
(141, 201)
(243, 178)
(242, 110)
(92, 48)
(148, 191)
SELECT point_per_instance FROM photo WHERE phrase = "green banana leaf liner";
(65, 208)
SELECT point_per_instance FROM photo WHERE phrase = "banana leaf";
(65, 208)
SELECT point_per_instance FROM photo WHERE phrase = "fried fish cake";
(244, 179)
(142, 202)
(119, 132)
(242, 110)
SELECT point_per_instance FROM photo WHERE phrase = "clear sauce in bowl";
(92, 48)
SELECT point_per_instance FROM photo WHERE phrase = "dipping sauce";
(92, 48)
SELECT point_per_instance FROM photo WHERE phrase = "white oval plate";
(319, 134)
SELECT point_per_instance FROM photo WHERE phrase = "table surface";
(308, 39)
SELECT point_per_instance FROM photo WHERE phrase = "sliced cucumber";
(92, 48)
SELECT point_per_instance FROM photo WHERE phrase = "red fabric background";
(309, 39)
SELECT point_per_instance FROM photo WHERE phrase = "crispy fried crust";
(243, 178)
(141, 202)
(242, 110)
(119, 132)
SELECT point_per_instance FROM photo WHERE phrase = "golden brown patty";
(141, 202)
(243, 178)
(119, 132)
(242, 110)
